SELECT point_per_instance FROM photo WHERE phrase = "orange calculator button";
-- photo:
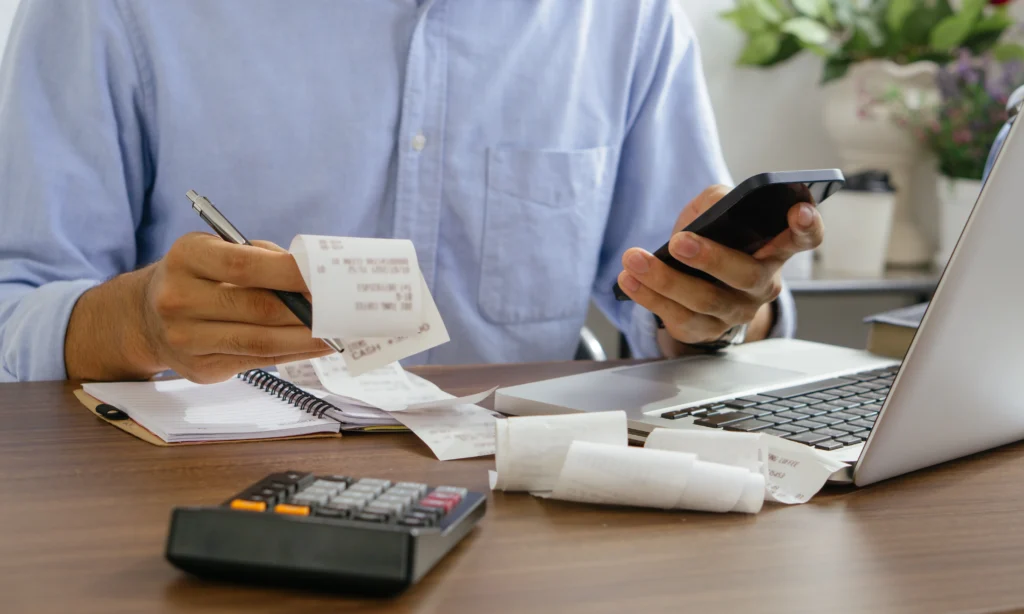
(294, 510)
(249, 506)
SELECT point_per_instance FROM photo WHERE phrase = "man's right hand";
(205, 310)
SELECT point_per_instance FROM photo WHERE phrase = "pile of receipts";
(370, 296)
(585, 458)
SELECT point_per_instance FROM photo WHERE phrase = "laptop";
(957, 391)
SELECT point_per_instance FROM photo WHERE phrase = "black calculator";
(334, 532)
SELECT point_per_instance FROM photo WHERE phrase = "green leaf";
(871, 30)
(897, 13)
(768, 11)
(746, 18)
(951, 32)
(810, 8)
(761, 49)
(809, 32)
(835, 68)
(1008, 52)
(998, 21)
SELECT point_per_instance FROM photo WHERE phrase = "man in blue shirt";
(532, 151)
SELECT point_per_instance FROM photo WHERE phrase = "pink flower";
(962, 137)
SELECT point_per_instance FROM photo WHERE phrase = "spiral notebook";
(253, 405)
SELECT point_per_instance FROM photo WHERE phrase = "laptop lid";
(959, 389)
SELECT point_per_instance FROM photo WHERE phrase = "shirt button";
(419, 142)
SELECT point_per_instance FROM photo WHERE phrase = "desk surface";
(84, 511)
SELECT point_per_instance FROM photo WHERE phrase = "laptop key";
(860, 411)
(859, 400)
(826, 406)
(748, 426)
(792, 415)
(739, 404)
(826, 419)
(757, 398)
(720, 420)
(676, 414)
(810, 411)
(807, 424)
(804, 400)
(773, 431)
(790, 428)
(807, 389)
(867, 424)
(774, 419)
(830, 432)
(848, 427)
(772, 407)
(850, 440)
(830, 444)
(842, 415)
(808, 438)
(854, 388)
(790, 403)
(844, 403)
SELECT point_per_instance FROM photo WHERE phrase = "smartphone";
(754, 212)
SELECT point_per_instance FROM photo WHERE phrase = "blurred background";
(905, 96)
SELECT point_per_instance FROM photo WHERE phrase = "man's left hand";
(697, 311)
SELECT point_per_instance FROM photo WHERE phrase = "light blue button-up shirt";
(522, 145)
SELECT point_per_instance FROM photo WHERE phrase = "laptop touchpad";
(710, 375)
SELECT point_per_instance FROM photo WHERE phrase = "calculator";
(334, 532)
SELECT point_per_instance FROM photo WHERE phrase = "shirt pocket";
(545, 216)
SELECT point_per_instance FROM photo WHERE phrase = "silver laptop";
(958, 391)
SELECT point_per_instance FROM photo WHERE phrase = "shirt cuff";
(643, 336)
(32, 331)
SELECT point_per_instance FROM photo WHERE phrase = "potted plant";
(959, 128)
(868, 47)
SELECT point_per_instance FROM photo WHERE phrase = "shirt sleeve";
(72, 175)
(670, 154)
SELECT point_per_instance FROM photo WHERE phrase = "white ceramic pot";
(866, 138)
(956, 201)
(857, 230)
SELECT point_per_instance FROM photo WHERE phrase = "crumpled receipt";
(586, 458)
(371, 296)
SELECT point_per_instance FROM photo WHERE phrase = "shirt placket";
(421, 138)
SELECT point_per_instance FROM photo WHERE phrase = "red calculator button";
(443, 504)
(446, 496)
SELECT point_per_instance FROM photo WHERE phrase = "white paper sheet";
(370, 294)
(793, 472)
(530, 451)
(621, 475)
(301, 373)
(389, 388)
(462, 431)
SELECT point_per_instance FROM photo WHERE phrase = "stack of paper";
(585, 457)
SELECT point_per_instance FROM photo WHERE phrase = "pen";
(295, 302)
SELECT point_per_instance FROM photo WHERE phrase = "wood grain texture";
(84, 510)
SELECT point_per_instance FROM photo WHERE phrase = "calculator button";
(249, 506)
(429, 519)
(308, 498)
(455, 489)
(371, 517)
(442, 504)
(404, 492)
(341, 479)
(392, 499)
(414, 522)
(445, 496)
(344, 505)
(372, 482)
(372, 490)
(291, 510)
(327, 512)
(432, 512)
(416, 487)
(332, 487)
(388, 509)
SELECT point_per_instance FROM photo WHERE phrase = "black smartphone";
(753, 213)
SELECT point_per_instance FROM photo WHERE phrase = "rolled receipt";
(530, 451)
(793, 472)
(621, 475)
(371, 294)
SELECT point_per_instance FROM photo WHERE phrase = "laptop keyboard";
(827, 414)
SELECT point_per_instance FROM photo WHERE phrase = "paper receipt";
(370, 294)
(585, 457)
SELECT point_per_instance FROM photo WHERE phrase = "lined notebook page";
(179, 410)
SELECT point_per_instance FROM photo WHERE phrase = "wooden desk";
(84, 510)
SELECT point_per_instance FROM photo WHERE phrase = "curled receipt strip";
(586, 458)
(371, 294)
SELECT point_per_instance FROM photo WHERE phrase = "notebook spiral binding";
(286, 391)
